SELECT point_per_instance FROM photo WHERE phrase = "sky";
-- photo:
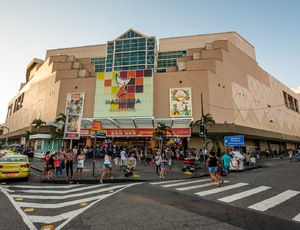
(29, 28)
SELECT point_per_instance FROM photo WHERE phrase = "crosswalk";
(41, 205)
(232, 192)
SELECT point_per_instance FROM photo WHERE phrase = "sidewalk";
(140, 174)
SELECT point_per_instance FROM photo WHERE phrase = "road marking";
(196, 186)
(165, 182)
(43, 197)
(63, 204)
(47, 186)
(56, 191)
(186, 182)
(273, 201)
(220, 189)
(66, 217)
(24, 216)
(297, 218)
(242, 195)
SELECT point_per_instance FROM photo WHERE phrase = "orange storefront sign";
(181, 132)
(96, 125)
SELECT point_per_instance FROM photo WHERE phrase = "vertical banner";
(180, 102)
(74, 110)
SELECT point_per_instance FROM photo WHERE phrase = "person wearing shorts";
(226, 159)
(213, 166)
(107, 165)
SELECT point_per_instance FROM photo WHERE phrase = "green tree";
(161, 133)
(38, 123)
(214, 138)
(60, 121)
(207, 119)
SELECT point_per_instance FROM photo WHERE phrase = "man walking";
(226, 159)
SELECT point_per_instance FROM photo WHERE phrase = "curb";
(129, 180)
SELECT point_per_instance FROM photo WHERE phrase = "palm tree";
(215, 138)
(161, 133)
(38, 123)
(60, 121)
(207, 119)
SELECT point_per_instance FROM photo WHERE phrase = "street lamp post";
(6, 141)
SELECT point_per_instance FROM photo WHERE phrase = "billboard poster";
(74, 110)
(124, 93)
(180, 102)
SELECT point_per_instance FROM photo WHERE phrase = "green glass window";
(110, 47)
(174, 54)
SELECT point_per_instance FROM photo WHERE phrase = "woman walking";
(213, 165)
(107, 165)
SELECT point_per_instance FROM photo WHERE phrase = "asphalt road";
(273, 203)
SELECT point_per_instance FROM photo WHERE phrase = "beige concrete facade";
(242, 98)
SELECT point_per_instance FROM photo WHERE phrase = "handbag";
(157, 162)
(56, 163)
(63, 165)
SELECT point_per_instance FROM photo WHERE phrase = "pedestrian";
(169, 159)
(59, 166)
(157, 162)
(226, 160)
(220, 168)
(107, 164)
(123, 163)
(45, 165)
(50, 166)
(213, 164)
(80, 165)
(291, 155)
(69, 163)
(148, 156)
(163, 162)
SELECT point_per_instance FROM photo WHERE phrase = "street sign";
(99, 134)
(234, 141)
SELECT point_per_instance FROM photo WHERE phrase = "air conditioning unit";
(182, 66)
(196, 56)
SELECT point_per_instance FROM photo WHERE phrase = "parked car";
(14, 166)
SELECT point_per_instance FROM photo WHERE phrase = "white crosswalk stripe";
(88, 195)
(196, 186)
(242, 195)
(273, 201)
(221, 189)
(185, 186)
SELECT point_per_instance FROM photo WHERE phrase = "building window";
(290, 102)
(18, 102)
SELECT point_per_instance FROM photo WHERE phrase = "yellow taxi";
(14, 166)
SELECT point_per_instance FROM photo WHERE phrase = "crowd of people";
(73, 161)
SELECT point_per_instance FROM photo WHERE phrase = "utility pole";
(6, 141)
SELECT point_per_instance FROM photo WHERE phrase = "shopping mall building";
(133, 82)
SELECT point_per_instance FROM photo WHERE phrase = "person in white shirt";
(107, 165)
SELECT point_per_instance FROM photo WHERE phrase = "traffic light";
(202, 130)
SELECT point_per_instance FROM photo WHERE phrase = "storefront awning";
(136, 122)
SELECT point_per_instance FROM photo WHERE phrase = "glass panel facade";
(166, 63)
(132, 51)
(173, 54)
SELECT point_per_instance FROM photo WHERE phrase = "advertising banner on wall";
(124, 93)
(177, 132)
(74, 110)
(180, 102)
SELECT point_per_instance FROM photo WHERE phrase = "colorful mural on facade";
(74, 109)
(124, 93)
(180, 102)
